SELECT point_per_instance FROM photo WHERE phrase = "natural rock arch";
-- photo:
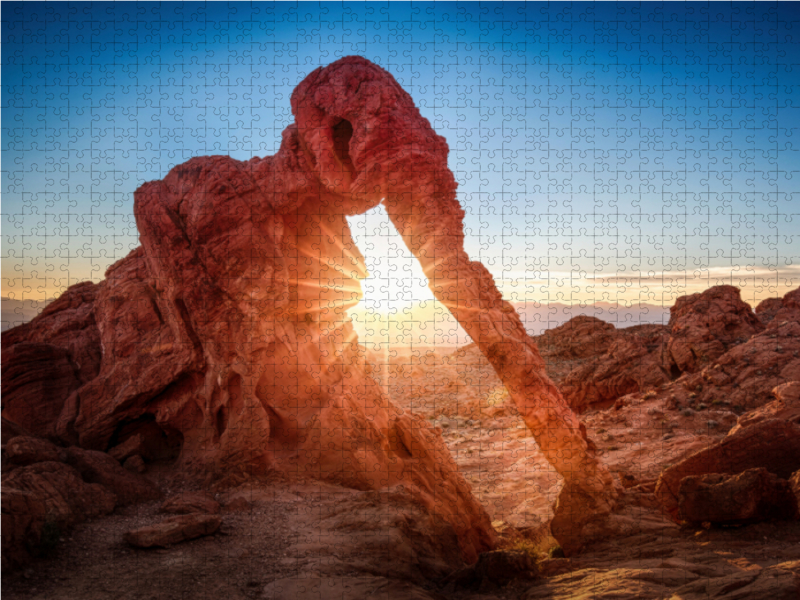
(227, 329)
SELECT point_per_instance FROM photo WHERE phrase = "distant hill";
(540, 317)
(430, 324)
(17, 312)
(435, 326)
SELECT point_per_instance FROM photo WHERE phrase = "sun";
(397, 307)
(395, 282)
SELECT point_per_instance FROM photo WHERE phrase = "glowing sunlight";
(397, 306)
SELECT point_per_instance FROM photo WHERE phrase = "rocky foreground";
(708, 460)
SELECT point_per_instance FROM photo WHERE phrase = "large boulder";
(748, 497)
(745, 375)
(26, 450)
(99, 467)
(632, 363)
(704, 326)
(786, 406)
(580, 337)
(67, 498)
(772, 444)
(789, 310)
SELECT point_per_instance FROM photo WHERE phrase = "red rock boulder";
(67, 498)
(789, 310)
(580, 337)
(26, 450)
(746, 374)
(632, 363)
(704, 326)
(100, 468)
(773, 445)
(786, 406)
(748, 497)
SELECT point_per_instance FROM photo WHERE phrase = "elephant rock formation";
(224, 339)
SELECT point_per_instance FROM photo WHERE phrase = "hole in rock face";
(342, 134)
(674, 371)
(159, 442)
(222, 420)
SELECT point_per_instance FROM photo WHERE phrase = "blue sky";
(614, 152)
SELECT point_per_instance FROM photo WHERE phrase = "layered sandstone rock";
(227, 330)
(789, 310)
(25, 450)
(99, 467)
(44, 361)
(767, 309)
(580, 337)
(47, 490)
(630, 363)
(746, 374)
(786, 406)
(704, 326)
(67, 498)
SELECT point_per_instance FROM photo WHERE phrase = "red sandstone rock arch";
(358, 140)
(228, 327)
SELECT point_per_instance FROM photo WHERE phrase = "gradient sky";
(617, 152)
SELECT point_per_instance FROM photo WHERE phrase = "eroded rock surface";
(704, 326)
(746, 497)
(67, 498)
(632, 363)
(772, 444)
(26, 450)
(746, 374)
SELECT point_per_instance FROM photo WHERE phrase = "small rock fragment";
(135, 464)
(173, 530)
(190, 502)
